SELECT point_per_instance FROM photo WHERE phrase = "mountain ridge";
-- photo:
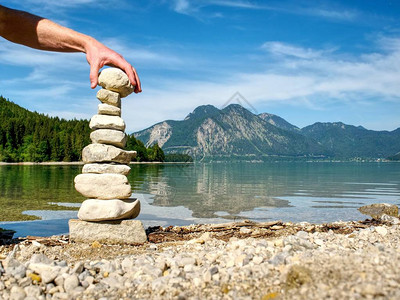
(234, 131)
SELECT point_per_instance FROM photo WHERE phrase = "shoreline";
(62, 163)
(245, 260)
(72, 163)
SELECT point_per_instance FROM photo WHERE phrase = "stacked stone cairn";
(103, 180)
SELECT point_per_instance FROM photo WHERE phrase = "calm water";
(179, 194)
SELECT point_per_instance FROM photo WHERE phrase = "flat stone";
(106, 168)
(108, 232)
(105, 210)
(109, 97)
(106, 109)
(377, 210)
(109, 137)
(103, 186)
(107, 122)
(106, 153)
(116, 80)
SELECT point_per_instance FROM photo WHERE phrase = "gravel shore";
(344, 260)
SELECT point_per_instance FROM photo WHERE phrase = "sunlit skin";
(36, 32)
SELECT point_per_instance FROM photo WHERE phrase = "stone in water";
(116, 80)
(105, 210)
(377, 210)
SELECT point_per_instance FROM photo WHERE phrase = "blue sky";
(306, 61)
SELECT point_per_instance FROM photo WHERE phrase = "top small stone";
(114, 79)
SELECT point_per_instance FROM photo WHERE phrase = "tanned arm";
(33, 31)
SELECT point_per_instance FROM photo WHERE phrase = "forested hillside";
(33, 137)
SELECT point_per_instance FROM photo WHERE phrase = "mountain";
(232, 132)
(235, 132)
(395, 157)
(278, 122)
(347, 141)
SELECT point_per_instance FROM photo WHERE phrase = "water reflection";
(314, 192)
(230, 190)
(34, 187)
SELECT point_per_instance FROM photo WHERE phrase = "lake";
(182, 194)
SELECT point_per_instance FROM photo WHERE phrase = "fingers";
(133, 76)
(94, 73)
(138, 86)
(102, 56)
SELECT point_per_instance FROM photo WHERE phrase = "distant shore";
(72, 163)
(47, 163)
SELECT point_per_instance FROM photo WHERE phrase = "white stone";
(116, 80)
(107, 122)
(106, 109)
(104, 210)
(381, 230)
(110, 232)
(106, 168)
(103, 186)
(106, 153)
(109, 137)
(109, 97)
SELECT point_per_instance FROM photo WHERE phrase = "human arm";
(40, 33)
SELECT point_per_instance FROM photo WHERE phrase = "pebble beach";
(245, 260)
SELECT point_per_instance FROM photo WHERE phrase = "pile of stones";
(103, 180)
(363, 264)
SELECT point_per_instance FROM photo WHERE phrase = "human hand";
(99, 55)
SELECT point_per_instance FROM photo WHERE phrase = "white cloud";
(345, 15)
(194, 8)
(181, 6)
(279, 48)
(369, 80)
(237, 4)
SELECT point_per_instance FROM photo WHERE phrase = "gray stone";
(116, 80)
(106, 122)
(46, 271)
(17, 293)
(109, 97)
(14, 268)
(49, 275)
(106, 153)
(108, 232)
(40, 258)
(109, 136)
(59, 280)
(33, 291)
(106, 109)
(377, 210)
(103, 186)
(390, 219)
(114, 281)
(106, 168)
(100, 210)
(70, 283)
